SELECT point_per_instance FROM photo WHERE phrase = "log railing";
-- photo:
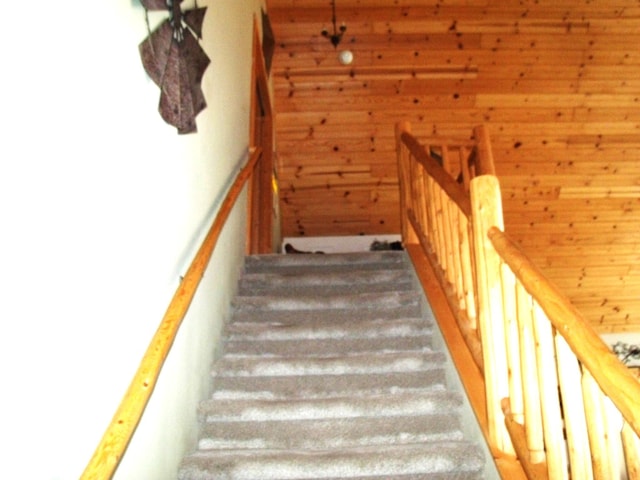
(556, 397)
(118, 434)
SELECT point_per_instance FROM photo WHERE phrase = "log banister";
(611, 375)
(555, 395)
(118, 434)
(439, 174)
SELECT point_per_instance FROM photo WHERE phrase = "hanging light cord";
(336, 37)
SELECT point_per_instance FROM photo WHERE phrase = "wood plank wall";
(556, 81)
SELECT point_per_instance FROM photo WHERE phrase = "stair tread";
(324, 343)
(327, 386)
(337, 261)
(377, 362)
(384, 460)
(324, 433)
(308, 325)
(324, 301)
(328, 372)
(410, 310)
(323, 278)
(389, 404)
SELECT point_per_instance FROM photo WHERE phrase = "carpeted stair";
(328, 373)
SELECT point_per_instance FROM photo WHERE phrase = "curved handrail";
(439, 174)
(614, 378)
(116, 438)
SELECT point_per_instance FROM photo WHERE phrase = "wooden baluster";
(531, 392)
(549, 394)
(467, 270)
(465, 156)
(435, 224)
(431, 215)
(414, 195)
(403, 155)
(440, 226)
(484, 160)
(446, 158)
(486, 206)
(447, 235)
(605, 427)
(426, 199)
(456, 262)
(421, 199)
(631, 444)
(516, 401)
(613, 423)
(569, 376)
(596, 427)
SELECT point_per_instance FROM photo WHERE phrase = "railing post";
(486, 207)
(404, 180)
(485, 164)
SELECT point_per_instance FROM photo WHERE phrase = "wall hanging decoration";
(173, 58)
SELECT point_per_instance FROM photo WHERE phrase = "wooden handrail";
(556, 396)
(615, 380)
(116, 438)
(439, 174)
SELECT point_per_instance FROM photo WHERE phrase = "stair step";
(388, 405)
(344, 262)
(322, 301)
(328, 328)
(347, 314)
(322, 434)
(460, 459)
(325, 344)
(329, 282)
(328, 373)
(327, 386)
(394, 362)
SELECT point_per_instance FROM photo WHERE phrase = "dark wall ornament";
(173, 58)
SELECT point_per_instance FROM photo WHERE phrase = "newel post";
(486, 207)
(404, 182)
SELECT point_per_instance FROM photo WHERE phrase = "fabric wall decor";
(173, 58)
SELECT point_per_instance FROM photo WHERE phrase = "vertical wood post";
(404, 181)
(486, 207)
(529, 371)
(575, 422)
(631, 444)
(484, 160)
(548, 380)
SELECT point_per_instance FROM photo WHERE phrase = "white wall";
(102, 207)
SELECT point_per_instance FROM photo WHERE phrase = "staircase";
(328, 373)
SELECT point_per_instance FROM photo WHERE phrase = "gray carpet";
(328, 373)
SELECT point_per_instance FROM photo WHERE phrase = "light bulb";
(345, 57)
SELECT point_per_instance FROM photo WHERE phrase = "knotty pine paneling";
(556, 81)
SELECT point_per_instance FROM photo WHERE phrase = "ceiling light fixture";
(336, 36)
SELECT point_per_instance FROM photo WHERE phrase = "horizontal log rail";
(431, 200)
(556, 397)
(615, 380)
(438, 173)
(118, 434)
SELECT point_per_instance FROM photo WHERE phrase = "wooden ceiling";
(556, 81)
